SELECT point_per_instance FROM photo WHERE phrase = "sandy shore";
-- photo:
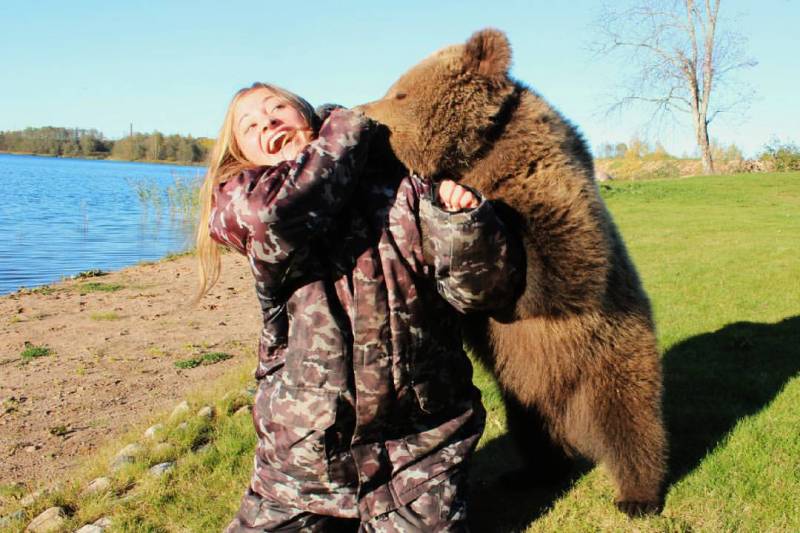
(112, 356)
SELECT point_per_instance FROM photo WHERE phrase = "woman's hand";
(454, 197)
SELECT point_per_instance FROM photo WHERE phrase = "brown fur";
(577, 356)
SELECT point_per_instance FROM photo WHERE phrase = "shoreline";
(85, 358)
(89, 158)
(93, 273)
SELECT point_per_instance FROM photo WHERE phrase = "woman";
(365, 411)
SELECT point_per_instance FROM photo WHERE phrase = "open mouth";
(278, 141)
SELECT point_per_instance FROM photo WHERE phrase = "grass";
(718, 256)
(96, 286)
(44, 290)
(32, 352)
(105, 315)
(181, 197)
(94, 273)
(205, 359)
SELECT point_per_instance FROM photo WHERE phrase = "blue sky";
(173, 65)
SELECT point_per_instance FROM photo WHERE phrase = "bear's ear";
(488, 53)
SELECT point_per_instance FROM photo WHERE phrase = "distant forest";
(74, 142)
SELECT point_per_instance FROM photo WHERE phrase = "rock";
(99, 526)
(50, 520)
(31, 498)
(183, 425)
(242, 410)
(16, 515)
(206, 412)
(162, 468)
(100, 484)
(126, 455)
(103, 522)
(151, 432)
(90, 528)
(131, 450)
(180, 410)
(120, 461)
(235, 400)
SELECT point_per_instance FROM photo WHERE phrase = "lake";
(59, 217)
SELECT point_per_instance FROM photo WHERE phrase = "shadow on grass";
(711, 381)
(496, 507)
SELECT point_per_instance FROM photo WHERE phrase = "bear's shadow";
(711, 381)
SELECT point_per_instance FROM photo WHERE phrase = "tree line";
(76, 142)
(638, 148)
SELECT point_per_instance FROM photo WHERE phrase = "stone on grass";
(119, 462)
(99, 526)
(206, 412)
(90, 528)
(103, 522)
(162, 468)
(126, 456)
(16, 515)
(100, 484)
(242, 410)
(151, 432)
(183, 426)
(180, 410)
(131, 450)
(29, 499)
(50, 520)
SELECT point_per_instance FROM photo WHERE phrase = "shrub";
(784, 156)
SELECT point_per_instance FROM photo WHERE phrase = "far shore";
(105, 158)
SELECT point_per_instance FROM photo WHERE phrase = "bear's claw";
(636, 509)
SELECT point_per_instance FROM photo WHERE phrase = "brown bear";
(576, 357)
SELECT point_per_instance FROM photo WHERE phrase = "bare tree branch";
(679, 58)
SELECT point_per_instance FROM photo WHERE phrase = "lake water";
(59, 217)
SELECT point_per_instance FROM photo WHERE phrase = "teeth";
(274, 141)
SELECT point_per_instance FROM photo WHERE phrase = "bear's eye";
(399, 96)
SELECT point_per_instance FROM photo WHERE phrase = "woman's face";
(267, 128)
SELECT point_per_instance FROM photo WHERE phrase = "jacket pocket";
(295, 426)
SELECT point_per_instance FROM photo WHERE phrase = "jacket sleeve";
(475, 264)
(272, 214)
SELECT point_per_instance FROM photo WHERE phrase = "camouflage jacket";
(365, 398)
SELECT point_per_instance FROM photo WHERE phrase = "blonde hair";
(226, 161)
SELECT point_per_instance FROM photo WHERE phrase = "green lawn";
(720, 258)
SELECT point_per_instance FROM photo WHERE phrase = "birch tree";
(679, 61)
